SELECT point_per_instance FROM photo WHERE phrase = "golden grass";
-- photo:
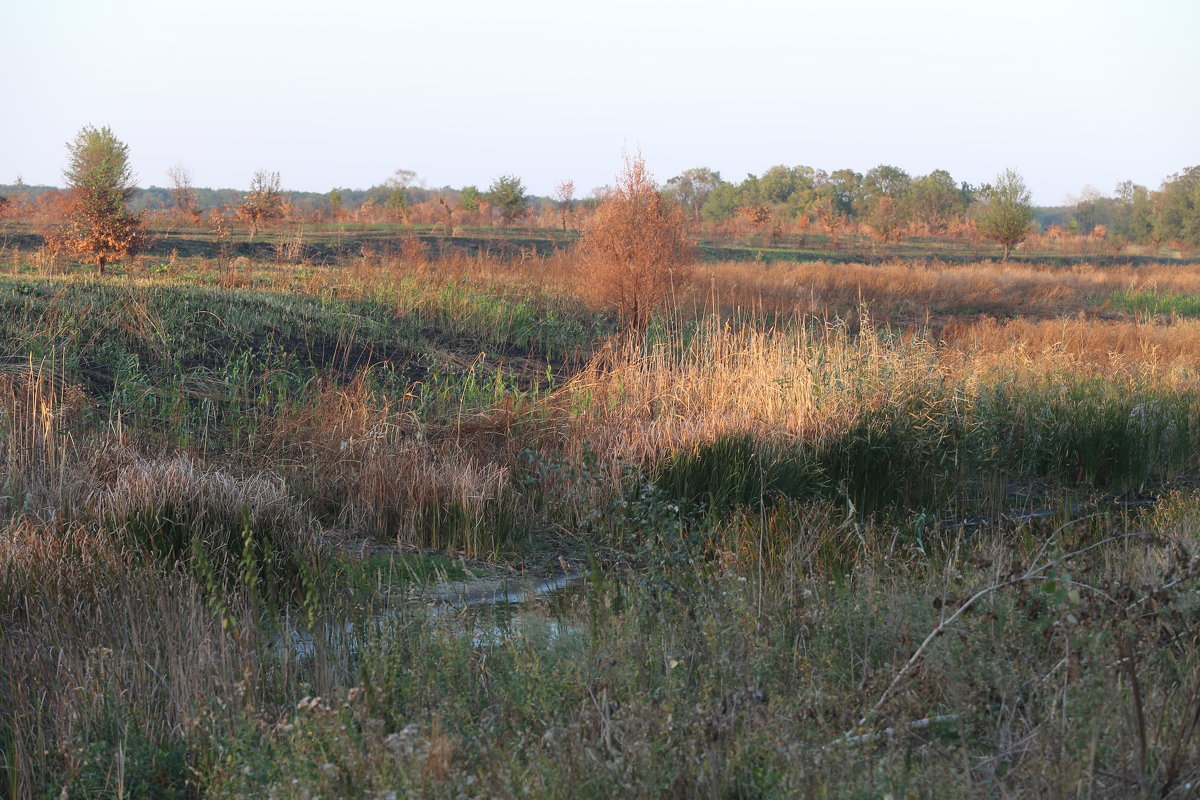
(1167, 351)
(911, 293)
(803, 384)
(778, 385)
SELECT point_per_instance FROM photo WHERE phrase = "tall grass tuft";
(370, 468)
(39, 412)
(174, 511)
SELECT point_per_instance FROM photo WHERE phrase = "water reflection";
(489, 611)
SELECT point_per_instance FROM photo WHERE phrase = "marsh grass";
(722, 686)
(732, 418)
(777, 509)
(217, 524)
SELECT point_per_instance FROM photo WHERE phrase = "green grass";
(184, 360)
(1157, 303)
(365, 576)
(724, 687)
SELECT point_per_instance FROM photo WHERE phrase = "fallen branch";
(940, 628)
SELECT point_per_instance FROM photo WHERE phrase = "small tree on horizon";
(468, 198)
(692, 188)
(564, 197)
(184, 196)
(1006, 213)
(635, 248)
(507, 193)
(100, 229)
(263, 203)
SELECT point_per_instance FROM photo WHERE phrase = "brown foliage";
(264, 203)
(95, 235)
(636, 250)
(757, 215)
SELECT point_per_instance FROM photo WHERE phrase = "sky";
(1068, 93)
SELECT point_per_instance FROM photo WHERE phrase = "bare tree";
(447, 215)
(183, 194)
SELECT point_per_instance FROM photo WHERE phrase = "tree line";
(885, 202)
(890, 203)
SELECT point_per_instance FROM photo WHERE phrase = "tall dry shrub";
(636, 249)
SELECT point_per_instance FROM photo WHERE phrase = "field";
(906, 527)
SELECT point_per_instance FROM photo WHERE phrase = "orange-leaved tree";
(264, 202)
(636, 247)
(99, 228)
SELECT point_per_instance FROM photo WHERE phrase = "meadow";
(907, 528)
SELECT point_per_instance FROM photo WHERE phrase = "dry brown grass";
(788, 385)
(777, 385)
(38, 410)
(1167, 351)
(378, 468)
(94, 642)
(911, 293)
(121, 487)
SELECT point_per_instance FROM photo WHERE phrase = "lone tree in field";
(507, 193)
(100, 229)
(636, 249)
(564, 197)
(1006, 213)
(263, 203)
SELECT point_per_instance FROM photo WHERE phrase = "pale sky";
(1067, 92)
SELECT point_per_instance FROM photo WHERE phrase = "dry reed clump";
(101, 648)
(779, 386)
(371, 466)
(874, 412)
(172, 504)
(38, 411)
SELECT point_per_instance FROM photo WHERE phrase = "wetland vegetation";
(909, 528)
